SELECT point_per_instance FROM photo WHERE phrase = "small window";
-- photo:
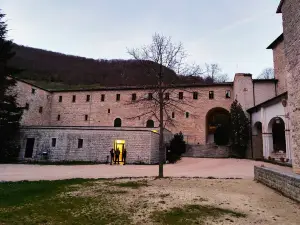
(167, 96)
(108, 111)
(86, 117)
(227, 94)
(41, 110)
(80, 143)
(195, 95)
(33, 91)
(27, 106)
(118, 97)
(74, 98)
(187, 115)
(88, 97)
(60, 98)
(133, 97)
(117, 122)
(180, 96)
(102, 97)
(58, 117)
(211, 95)
(53, 143)
(173, 115)
(150, 96)
(150, 124)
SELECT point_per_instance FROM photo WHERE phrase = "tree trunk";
(161, 127)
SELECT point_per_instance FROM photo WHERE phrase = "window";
(180, 96)
(187, 115)
(167, 96)
(88, 97)
(86, 117)
(173, 115)
(74, 98)
(58, 117)
(150, 123)
(102, 97)
(33, 91)
(117, 122)
(227, 94)
(133, 97)
(118, 97)
(27, 106)
(108, 111)
(80, 143)
(195, 95)
(211, 95)
(150, 96)
(41, 110)
(60, 98)
(53, 142)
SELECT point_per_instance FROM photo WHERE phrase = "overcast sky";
(233, 33)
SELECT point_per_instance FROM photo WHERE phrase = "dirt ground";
(262, 205)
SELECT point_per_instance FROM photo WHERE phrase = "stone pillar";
(267, 144)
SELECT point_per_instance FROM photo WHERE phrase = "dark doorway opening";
(117, 122)
(150, 124)
(29, 147)
(278, 134)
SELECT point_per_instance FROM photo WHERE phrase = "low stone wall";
(207, 151)
(286, 183)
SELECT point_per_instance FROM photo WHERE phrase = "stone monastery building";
(85, 124)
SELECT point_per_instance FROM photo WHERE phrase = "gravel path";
(187, 167)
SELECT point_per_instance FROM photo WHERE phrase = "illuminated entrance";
(119, 144)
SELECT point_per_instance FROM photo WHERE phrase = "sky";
(232, 33)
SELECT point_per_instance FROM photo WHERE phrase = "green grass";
(131, 184)
(192, 214)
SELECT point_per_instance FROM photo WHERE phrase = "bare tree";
(214, 71)
(267, 73)
(161, 103)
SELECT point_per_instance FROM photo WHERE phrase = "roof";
(280, 6)
(264, 80)
(276, 42)
(278, 97)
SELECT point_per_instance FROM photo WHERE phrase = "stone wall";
(263, 91)
(280, 68)
(141, 144)
(291, 29)
(286, 183)
(207, 151)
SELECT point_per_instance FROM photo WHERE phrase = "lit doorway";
(119, 144)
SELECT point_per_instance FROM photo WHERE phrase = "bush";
(176, 149)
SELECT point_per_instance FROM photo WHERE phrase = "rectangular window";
(88, 97)
(211, 95)
(173, 115)
(133, 97)
(187, 115)
(150, 96)
(180, 96)
(58, 117)
(53, 143)
(60, 98)
(80, 143)
(227, 94)
(118, 97)
(86, 117)
(102, 97)
(74, 98)
(167, 96)
(27, 106)
(33, 91)
(108, 111)
(41, 110)
(195, 95)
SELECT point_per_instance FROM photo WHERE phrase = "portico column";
(267, 144)
(288, 145)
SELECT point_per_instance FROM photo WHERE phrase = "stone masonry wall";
(263, 91)
(141, 145)
(287, 184)
(291, 29)
(280, 68)
(207, 151)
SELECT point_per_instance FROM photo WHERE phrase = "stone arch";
(217, 126)
(257, 140)
(150, 123)
(276, 127)
(117, 122)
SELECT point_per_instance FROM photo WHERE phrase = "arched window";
(117, 122)
(150, 123)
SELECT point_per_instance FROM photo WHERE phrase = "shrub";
(177, 148)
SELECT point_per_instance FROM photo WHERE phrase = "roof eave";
(278, 40)
(280, 7)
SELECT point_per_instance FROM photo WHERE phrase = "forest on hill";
(52, 67)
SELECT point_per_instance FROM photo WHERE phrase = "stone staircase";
(206, 151)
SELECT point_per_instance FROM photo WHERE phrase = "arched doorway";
(277, 128)
(217, 126)
(257, 141)
(150, 123)
(117, 122)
